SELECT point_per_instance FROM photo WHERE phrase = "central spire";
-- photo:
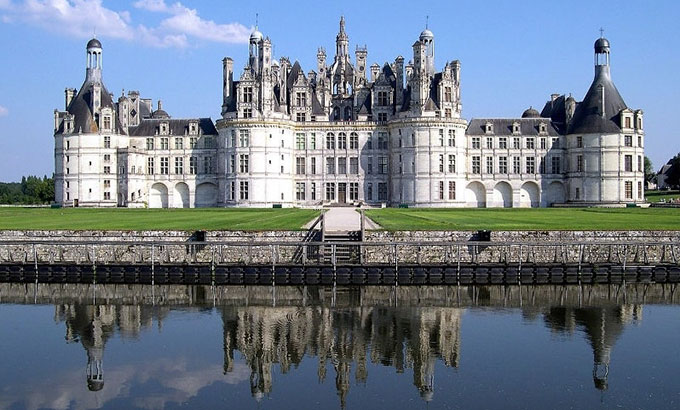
(342, 41)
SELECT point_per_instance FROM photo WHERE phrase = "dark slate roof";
(160, 114)
(177, 126)
(531, 113)
(365, 107)
(317, 109)
(80, 109)
(588, 115)
(503, 126)
(293, 76)
(407, 99)
(94, 43)
(556, 111)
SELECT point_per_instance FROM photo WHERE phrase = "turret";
(341, 40)
(227, 83)
(93, 73)
(254, 51)
(427, 40)
(360, 54)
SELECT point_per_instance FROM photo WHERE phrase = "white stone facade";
(346, 133)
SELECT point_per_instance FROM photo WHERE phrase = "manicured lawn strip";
(657, 196)
(561, 219)
(155, 219)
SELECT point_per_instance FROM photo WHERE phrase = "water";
(133, 346)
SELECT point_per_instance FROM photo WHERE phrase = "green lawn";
(155, 219)
(564, 219)
(656, 196)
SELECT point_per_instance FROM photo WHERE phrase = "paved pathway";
(344, 219)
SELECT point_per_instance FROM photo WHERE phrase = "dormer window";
(193, 128)
(163, 127)
(542, 128)
(515, 128)
(107, 122)
(488, 128)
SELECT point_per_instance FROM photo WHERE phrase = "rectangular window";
(300, 191)
(452, 190)
(300, 117)
(107, 157)
(353, 141)
(330, 165)
(330, 141)
(243, 138)
(579, 142)
(502, 165)
(530, 143)
(232, 163)
(342, 141)
(107, 122)
(441, 162)
(243, 190)
(165, 144)
(149, 143)
(383, 98)
(207, 165)
(476, 142)
(628, 163)
(301, 99)
(369, 165)
(639, 189)
(516, 165)
(555, 165)
(208, 142)
(639, 141)
(452, 138)
(382, 141)
(232, 190)
(441, 137)
(353, 191)
(369, 141)
(342, 165)
(107, 142)
(107, 196)
(149, 166)
(107, 170)
(312, 167)
(369, 191)
(447, 112)
(300, 165)
(447, 94)
(440, 190)
(628, 140)
(629, 189)
(382, 117)
(312, 141)
(382, 191)
(179, 143)
(382, 165)
(247, 96)
(107, 183)
(531, 165)
(452, 164)
(639, 163)
(579, 163)
(543, 143)
(313, 191)
(299, 141)
(515, 143)
(476, 164)
(489, 143)
(489, 165)
(233, 138)
(193, 143)
(330, 191)
(628, 122)
(354, 165)
(193, 165)
(248, 112)
(165, 165)
(243, 161)
(503, 143)
(179, 165)
(578, 193)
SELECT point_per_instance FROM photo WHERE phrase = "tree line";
(32, 190)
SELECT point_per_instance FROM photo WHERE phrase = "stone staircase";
(345, 252)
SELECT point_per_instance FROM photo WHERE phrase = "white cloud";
(83, 18)
(3, 111)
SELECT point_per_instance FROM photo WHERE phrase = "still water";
(81, 346)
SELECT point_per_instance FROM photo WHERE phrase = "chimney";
(69, 93)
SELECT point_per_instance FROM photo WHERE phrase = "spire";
(342, 41)
(342, 24)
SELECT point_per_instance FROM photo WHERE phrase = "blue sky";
(513, 55)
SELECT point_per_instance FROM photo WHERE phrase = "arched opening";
(158, 197)
(181, 196)
(502, 195)
(206, 195)
(554, 194)
(348, 113)
(529, 195)
(336, 114)
(475, 195)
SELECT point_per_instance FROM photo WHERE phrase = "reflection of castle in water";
(400, 337)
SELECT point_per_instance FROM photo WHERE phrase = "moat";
(139, 346)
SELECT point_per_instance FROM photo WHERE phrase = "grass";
(154, 219)
(562, 219)
(657, 196)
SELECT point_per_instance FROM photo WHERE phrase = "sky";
(513, 55)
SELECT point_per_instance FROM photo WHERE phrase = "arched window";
(348, 113)
(336, 114)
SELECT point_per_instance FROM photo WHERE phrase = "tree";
(650, 175)
(673, 173)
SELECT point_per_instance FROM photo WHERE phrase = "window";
(193, 165)
(382, 165)
(165, 143)
(353, 191)
(300, 165)
(107, 142)
(489, 143)
(515, 143)
(369, 191)
(530, 143)
(515, 165)
(628, 122)
(312, 141)
(629, 189)
(382, 141)
(179, 143)
(193, 143)
(639, 163)
(233, 138)
(165, 165)
(248, 112)
(476, 159)
(640, 141)
(452, 138)
(107, 170)
(382, 191)
(555, 165)
(441, 137)
(300, 117)
(243, 163)
(149, 166)
(342, 141)
(107, 183)
(447, 94)
(555, 142)
(243, 138)
(543, 143)
(440, 191)
(313, 191)
(149, 143)
(107, 122)
(232, 163)
(382, 117)
(579, 142)
(578, 193)
(441, 162)
(452, 190)
(353, 141)
(475, 142)
(628, 163)
(369, 165)
(207, 165)
(354, 165)
(330, 141)
(452, 164)
(300, 141)
(639, 189)
(301, 99)
(628, 140)
(447, 112)
(369, 142)
(208, 142)
(107, 196)
(503, 143)
(179, 165)
(342, 165)
(383, 98)
(489, 165)
(579, 163)
(247, 96)
(330, 191)
(502, 165)
(531, 165)
(330, 165)
(243, 190)
(541, 166)
(312, 167)
(107, 157)
(300, 191)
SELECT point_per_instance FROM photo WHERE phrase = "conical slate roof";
(588, 118)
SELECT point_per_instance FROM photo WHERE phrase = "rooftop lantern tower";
(94, 61)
